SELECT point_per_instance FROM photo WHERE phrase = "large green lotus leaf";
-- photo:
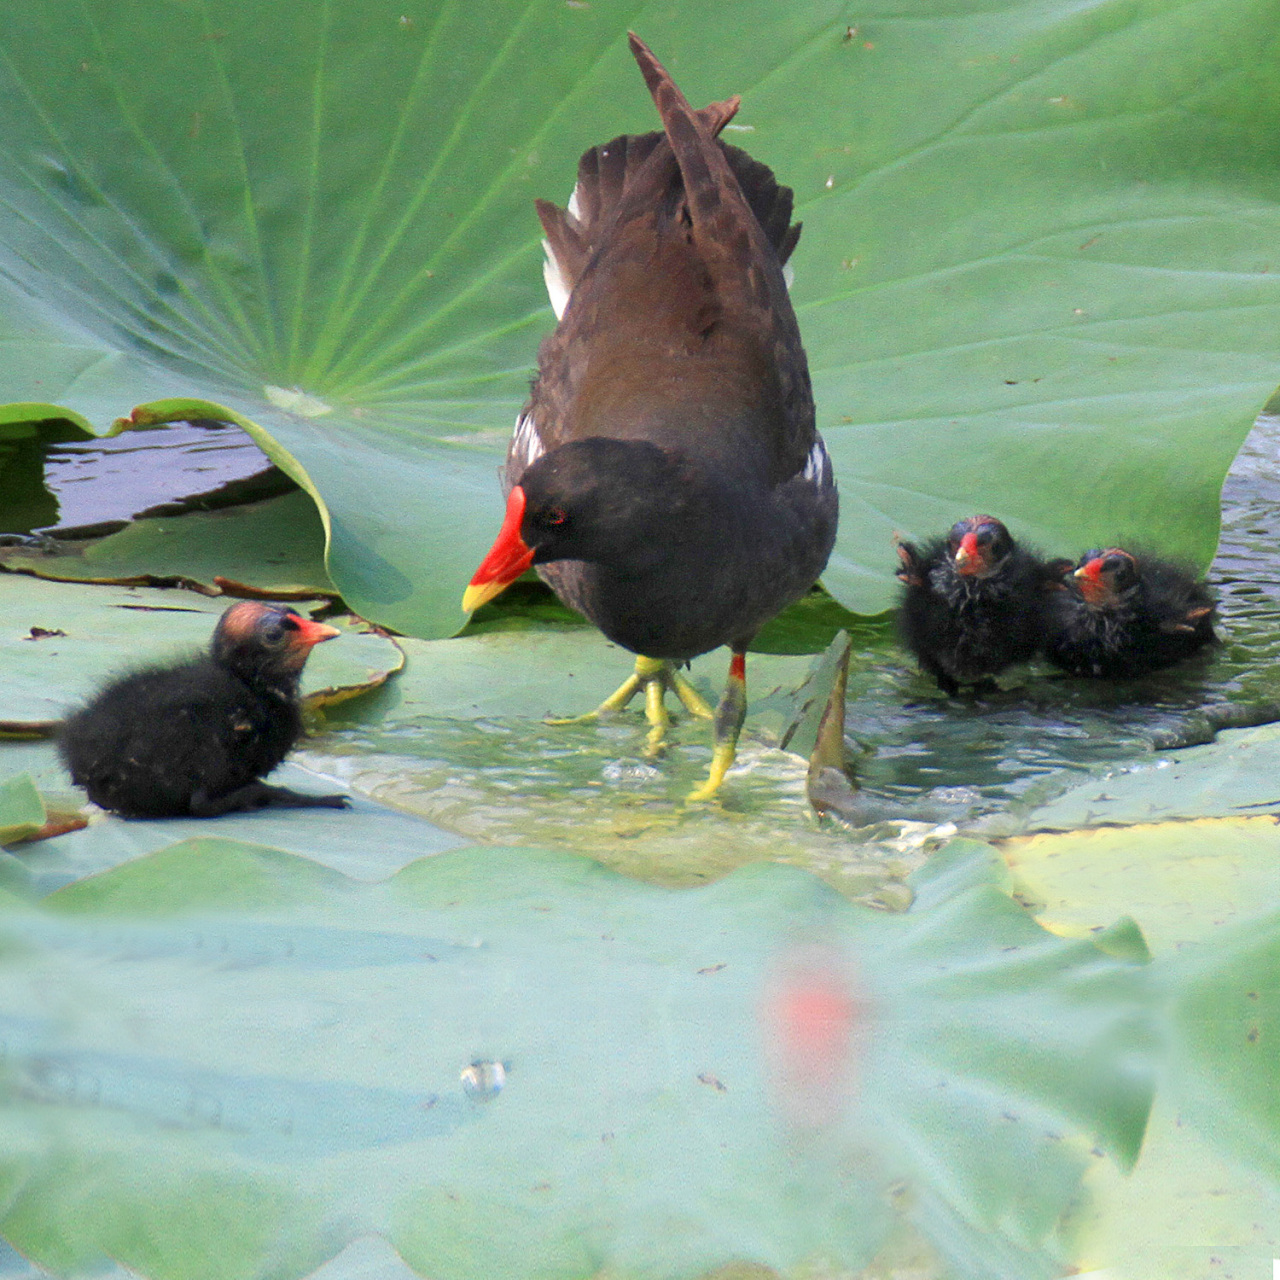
(1189, 1209)
(273, 546)
(367, 841)
(1210, 1167)
(752, 1070)
(1183, 880)
(93, 632)
(1035, 278)
(1205, 1197)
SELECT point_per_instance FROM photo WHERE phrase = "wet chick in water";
(1124, 615)
(195, 739)
(973, 602)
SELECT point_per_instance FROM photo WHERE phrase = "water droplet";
(483, 1080)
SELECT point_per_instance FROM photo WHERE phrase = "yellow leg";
(730, 714)
(656, 676)
(655, 712)
(692, 700)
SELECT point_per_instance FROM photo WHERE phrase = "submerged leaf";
(739, 1071)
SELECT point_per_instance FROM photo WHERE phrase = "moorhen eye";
(196, 738)
(703, 499)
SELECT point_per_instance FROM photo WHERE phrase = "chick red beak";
(310, 633)
(968, 559)
(508, 558)
(1089, 575)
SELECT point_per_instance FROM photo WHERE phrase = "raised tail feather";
(607, 174)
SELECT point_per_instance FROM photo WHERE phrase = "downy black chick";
(1124, 615)
(195, 739)
(972, 602)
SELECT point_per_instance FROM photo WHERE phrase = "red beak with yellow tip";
(508, 558)
(1089, 576)
(967, 557)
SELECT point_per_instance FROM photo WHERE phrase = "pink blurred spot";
(811, 1015)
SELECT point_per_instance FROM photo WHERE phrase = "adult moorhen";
(972, 602)
(666, 477)
(1124, 615)
(194, 739)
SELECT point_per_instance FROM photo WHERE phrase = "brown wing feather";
(674, 258)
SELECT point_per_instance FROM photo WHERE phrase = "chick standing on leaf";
(973, 602)
(195, 739)
(1125, 615)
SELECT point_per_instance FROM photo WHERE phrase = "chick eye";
(557, 517)
(275, 631)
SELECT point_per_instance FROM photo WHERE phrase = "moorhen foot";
(1124, 615)
(972, 602)
(196, 739)
(666, 477)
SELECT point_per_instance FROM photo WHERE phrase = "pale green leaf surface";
(1181, 880)
(1038, 232)
(110, 630)
(654, 1115)
(22, 812)
(275, 545)
(1204, 891)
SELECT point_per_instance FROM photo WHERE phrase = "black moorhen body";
(666, 477)
(195, 739)
(1124, 615)
(972, 603)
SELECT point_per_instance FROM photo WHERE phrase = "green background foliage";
(1036, 275)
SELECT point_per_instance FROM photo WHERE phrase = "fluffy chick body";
(193, 739)
(967, 622)
(1123, 614)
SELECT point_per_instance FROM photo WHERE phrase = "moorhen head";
(972, 602)
(196, 738)
(1123, 614)
(666, 477)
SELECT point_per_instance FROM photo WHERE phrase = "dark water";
(92, 486)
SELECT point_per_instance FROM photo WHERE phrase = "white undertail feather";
(526, 444)
(557, 290)
(817, 466)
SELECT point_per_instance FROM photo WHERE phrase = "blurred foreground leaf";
(745, 1070)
